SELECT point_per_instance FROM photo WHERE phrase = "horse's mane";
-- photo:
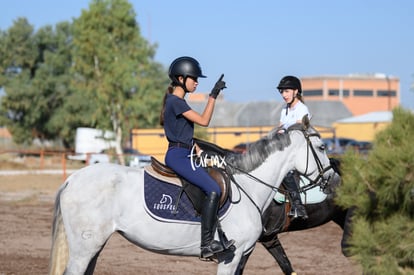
(259, 151)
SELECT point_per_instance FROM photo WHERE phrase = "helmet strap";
(185, 86)
(290, 103)
(182, 85)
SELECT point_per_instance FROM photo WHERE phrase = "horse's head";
(299, 148)
(310, 158)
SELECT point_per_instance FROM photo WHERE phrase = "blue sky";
(255, 43)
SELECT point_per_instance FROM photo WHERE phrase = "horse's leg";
(84, 254)
(92, 263)
(347, 232)
(87, 236)
(274, 247)
(59, 262)
(274, 219)
(232, 264)
(87, 233)
(242, 264)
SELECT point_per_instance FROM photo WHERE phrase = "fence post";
(42, 159)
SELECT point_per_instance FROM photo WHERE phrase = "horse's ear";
(305, 121)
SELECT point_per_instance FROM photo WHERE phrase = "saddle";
(194, 193)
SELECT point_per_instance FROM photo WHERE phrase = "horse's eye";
(322, 147)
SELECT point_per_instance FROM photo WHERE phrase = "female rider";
(291, 90)
(178, 120)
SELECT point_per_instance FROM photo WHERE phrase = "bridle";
(318, 181)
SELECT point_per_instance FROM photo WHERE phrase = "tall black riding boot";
(209, 246)
(297, 209)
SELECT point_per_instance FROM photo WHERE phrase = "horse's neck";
(262, 183)
(280, 170)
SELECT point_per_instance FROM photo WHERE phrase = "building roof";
(385, 116)
(267, 113)
(325, 113)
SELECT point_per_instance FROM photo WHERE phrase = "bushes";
(381, 186)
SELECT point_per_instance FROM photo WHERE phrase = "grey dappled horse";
(101, 199)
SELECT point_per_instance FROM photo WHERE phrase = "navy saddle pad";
(161, 202)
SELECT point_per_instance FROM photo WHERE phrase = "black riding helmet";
(184, 66)
(290, 82)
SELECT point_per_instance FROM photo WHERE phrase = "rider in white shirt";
(293, 113)
(291, 90)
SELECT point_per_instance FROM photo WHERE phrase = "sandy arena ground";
(26, 206)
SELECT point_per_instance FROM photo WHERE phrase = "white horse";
(101, 199)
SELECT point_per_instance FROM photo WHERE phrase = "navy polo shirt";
(176, 127)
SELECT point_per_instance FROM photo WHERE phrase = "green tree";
(114, 68)
(34, 74)
(382, 189)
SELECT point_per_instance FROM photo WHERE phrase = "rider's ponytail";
(170, 90)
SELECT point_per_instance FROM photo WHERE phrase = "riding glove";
(220, 85)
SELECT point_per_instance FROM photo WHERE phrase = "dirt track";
(26, 206)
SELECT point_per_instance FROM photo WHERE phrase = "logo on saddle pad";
(163, 202)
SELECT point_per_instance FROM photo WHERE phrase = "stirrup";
(209, 251)
(223, 238)
(226, 243)
(225, 256)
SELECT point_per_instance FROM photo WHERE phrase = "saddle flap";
(222, 180)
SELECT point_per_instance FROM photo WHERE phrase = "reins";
(255, 179)
(319, 180)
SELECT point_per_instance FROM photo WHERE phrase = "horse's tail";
(59, 252)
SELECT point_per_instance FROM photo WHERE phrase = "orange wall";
(357, 105)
